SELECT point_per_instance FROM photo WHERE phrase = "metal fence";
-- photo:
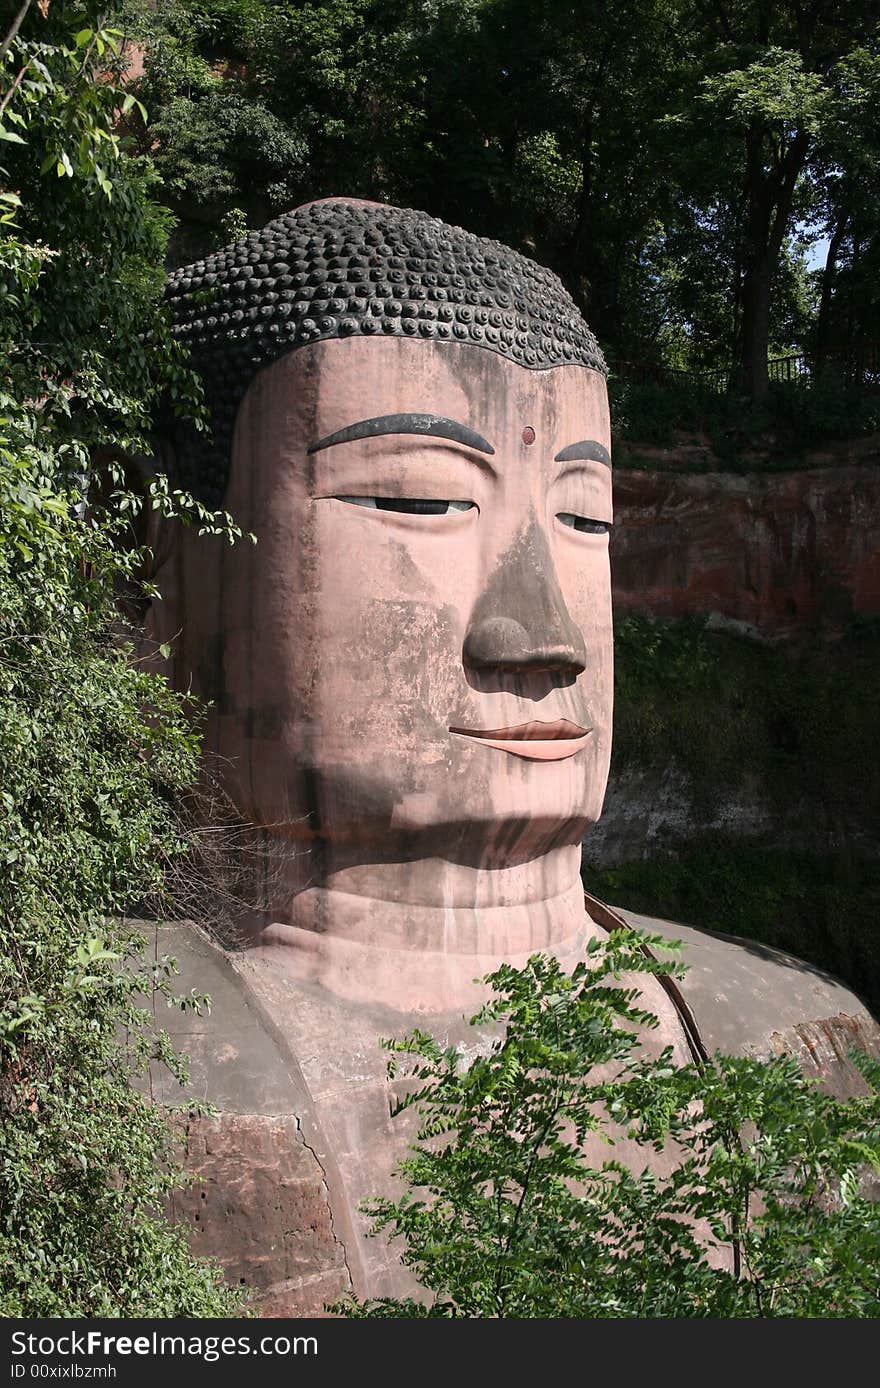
(856, 368)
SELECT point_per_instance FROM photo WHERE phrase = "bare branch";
(16, 25)
(9, 95)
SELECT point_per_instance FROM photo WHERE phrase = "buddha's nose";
(520, 621)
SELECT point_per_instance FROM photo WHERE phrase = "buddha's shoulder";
(748, 998)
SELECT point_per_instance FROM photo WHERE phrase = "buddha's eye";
(583, 523)
(409, 506)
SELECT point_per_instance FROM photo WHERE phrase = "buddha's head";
(414, 663)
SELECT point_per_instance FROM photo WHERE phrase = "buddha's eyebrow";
(436, 425)
(588, 451)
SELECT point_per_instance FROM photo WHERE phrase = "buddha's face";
(416, 658)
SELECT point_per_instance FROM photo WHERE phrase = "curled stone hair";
(342, 268)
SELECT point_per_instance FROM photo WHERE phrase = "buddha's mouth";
(534, 741)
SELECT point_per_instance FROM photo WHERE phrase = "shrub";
(504, 1217)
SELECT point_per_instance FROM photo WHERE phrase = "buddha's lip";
(532, 741)
(534, 731)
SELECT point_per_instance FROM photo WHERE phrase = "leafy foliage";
(763, 1210)
(94, 749)
(745, 435)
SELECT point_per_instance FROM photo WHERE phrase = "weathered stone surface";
(777, 552)
(823, 1050)
(259, 1204)
(410, 680)
(339, 268)
(652, 809)
(236, 1060)
(752, 999)
(300, 1297)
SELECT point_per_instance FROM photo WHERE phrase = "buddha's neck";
(414, 936)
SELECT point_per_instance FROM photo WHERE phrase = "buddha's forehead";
(333, 385)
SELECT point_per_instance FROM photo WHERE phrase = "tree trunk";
(823, 319)
(14, 28)
(579, 261)
(577, 252)
(755, 331)
(770, 195)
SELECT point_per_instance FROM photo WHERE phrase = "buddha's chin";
(496, 809)
(490, 841)
(541, 806)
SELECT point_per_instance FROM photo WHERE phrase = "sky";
(817, 253)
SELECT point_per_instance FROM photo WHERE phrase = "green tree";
(258, 106)
(847, 179)
(764, 88)
(95, 751)
(538, 125)
(224, 156)
(504, 1217)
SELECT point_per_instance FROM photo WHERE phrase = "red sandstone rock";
(259, 1204)
(779, 551)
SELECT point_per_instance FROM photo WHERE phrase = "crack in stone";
(326, 1185)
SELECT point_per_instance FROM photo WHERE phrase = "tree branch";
(9, 95)
(16, 25)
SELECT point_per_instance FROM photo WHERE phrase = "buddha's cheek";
(389, 684)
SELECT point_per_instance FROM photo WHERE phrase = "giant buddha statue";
(410, 689)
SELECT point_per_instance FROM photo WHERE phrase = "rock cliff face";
(776, 553)
(651, 810)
